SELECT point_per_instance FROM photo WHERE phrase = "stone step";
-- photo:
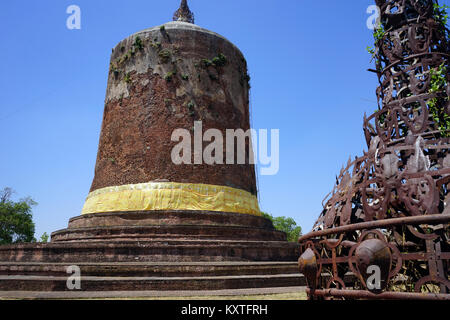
(156, 251)
(49, 283)
(149, 218)
(224, 294)
(160, 232)
(161, 269)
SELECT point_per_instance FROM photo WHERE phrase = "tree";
(44, 237)
(287, 225)
(16, 220)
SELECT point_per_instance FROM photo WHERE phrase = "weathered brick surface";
(148, 233)
(159, 83)
(125, 284)
(151, 251)
(182, 217)
(148, 269)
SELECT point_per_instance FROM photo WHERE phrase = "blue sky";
(307, 60)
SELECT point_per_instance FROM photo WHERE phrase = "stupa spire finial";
(183, 13)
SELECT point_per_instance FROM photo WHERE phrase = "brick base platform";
(145, 251)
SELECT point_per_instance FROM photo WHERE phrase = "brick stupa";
(150, 224)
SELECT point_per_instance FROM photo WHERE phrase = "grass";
(277, 296)
(295, 294)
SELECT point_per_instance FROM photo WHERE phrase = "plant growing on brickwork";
(123, 58)
(127, 78)
(219, 61)
(156, 45)
(245, 78)
(191, 108)
(113, 68)
(169, 75)
(165, 55)
(138, 44)
(206, 63)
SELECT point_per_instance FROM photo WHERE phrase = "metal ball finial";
(183, 13)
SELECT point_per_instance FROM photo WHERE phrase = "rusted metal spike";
(373, 260)
(307, 264)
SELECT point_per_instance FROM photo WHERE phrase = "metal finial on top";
(183, 13)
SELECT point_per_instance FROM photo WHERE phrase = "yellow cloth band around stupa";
(154, 196)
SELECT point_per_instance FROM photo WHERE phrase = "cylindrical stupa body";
(160, 80)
